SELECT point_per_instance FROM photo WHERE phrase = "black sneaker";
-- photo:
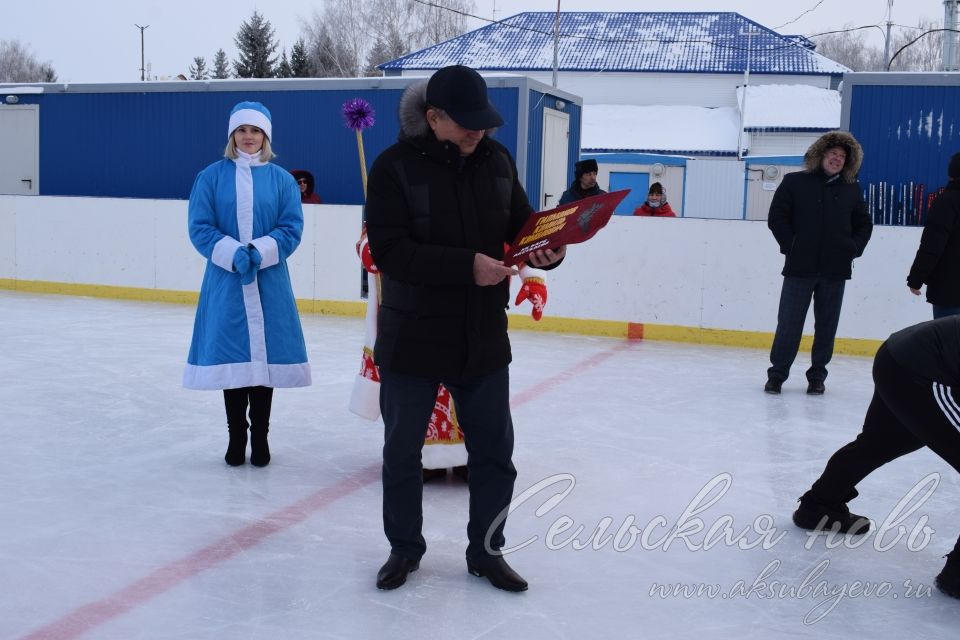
(816, 388)
(773, 385)
(818, 516)
(948, 581)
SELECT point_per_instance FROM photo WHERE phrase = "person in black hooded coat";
(820, 221)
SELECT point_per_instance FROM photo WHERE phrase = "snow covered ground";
(121, 520)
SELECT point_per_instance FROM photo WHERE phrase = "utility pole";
(743, 96)
(142, 67)
(886, 42)
(556, 45)
(951, 39)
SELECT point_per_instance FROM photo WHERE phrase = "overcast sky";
(97, 40)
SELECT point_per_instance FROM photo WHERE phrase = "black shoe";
(773, 385)
(434, 474)
(461, 473)
(948, 581)
(394, 572)
(815, 515)
(498, 572)
(816, 388)
(237, 448)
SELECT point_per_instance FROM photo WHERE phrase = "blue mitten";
(254, 259)
(241, 260)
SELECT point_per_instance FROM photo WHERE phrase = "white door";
(556, 145)
(20, 160)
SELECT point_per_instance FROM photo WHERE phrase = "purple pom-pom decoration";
(358, 114)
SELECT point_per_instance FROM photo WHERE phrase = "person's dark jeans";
(942, 311)
(827, 294)
(483, 410)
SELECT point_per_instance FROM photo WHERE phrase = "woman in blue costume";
(245, 219)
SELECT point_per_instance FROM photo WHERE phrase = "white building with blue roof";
(668, 83)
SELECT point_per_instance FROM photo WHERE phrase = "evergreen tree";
(299, 60)
(221, 67)
(385, 49)
(255, 45)
(198, 70)
(283, 69)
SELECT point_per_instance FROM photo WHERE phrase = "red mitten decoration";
(534, 290)
(368, 369)
(363, 250)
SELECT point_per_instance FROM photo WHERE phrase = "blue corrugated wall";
(908, 134)
(153, 144)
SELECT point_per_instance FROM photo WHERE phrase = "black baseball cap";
(462, 93)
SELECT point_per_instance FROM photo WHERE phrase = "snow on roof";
(701, 42)
(659, 129)
(791, 107)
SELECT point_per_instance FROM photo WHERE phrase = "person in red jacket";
(656, 203)
(306, 183)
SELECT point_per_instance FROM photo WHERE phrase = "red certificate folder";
(567, 224)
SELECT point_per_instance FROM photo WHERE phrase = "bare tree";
(926, 54)
(18, 64)
(371, 32)
(850, 49)
(439, 23)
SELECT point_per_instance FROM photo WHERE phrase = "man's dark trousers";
(827, 294)
(483, 411)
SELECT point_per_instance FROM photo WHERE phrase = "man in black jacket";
(441, 203)
(820, 221)
(938, 259)
(584, 183)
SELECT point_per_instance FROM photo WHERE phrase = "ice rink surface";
(656, 483)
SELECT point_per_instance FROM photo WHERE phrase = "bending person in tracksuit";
(914, 405)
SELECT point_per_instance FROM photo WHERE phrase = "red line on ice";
(90, 616)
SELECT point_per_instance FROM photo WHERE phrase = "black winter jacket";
(574, 193)
(820, 224)
(428, 212)
(938, 259)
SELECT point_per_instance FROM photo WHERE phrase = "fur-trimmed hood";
(413, 109)
(813, 158)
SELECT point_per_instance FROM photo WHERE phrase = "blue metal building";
(149, 140)
(909, 126)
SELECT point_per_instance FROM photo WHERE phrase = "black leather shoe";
(461, 473)
(394, 572)
(816, 388)
(773, 385)
(498, 572)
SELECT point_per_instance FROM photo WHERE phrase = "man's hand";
(915, 292)
(487, 271)
(547, 257)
